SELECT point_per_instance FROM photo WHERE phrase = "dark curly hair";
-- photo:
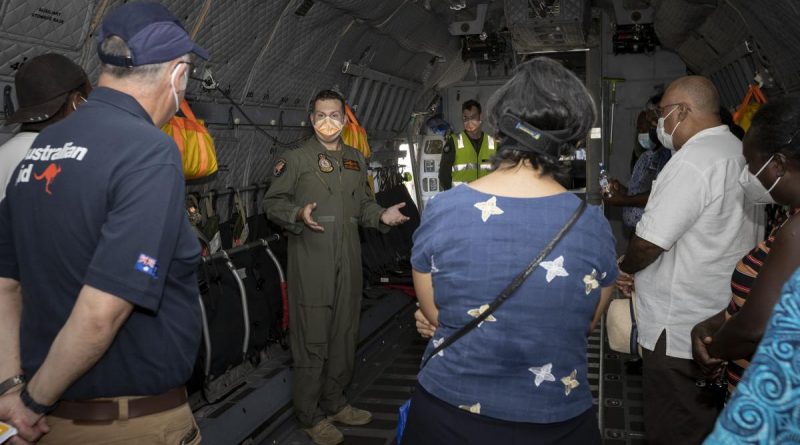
(327, 95)
(472, 103)
(776, 127)
(549, 97)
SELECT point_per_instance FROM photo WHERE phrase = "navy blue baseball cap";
(151, 32)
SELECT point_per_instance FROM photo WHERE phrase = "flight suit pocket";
(315, 323)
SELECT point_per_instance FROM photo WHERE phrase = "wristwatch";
(10, 383)
(34, 406)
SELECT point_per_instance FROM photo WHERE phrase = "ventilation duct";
(414, 28)
(545, 25)
(675, 20)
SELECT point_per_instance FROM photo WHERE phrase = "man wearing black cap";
(93, 228)
(49, 87)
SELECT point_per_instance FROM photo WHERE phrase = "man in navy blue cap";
(93, 229)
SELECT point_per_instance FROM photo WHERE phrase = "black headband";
(526, 137)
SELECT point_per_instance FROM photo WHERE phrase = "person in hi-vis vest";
(466, 155)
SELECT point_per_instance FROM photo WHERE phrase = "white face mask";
(645, 141)
(185, 83)
(666, 139)
(754, 191)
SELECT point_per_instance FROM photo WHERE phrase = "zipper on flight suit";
(340, 240)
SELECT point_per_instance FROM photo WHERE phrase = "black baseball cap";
(43, 84)
(151, 32)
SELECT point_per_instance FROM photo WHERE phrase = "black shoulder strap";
(511, 288)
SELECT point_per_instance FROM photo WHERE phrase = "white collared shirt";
(698, 215)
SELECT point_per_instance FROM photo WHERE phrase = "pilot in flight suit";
(328, 178)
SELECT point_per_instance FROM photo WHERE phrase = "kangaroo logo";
(49, 175)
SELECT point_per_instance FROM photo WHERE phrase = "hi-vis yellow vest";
(469, 165)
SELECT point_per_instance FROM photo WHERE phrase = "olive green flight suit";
(324, 269)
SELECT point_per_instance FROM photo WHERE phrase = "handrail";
(226, 255)
(230, 190)
(243, 296)
(206, 337)
(223, 254)
(284, 287)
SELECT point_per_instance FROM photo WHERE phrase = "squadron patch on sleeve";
(325, 165)
(351, 164)
(280, 167)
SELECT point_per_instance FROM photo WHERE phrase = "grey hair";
(115, 46)
(548, 96)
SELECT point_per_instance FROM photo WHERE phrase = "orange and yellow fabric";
(354, 134)
(194, 142)
(744, 114)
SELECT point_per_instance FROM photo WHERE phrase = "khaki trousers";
(171, 427)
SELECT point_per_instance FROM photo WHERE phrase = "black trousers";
(676, 410)
(435, 422)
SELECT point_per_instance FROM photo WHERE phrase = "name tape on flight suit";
(351, 165)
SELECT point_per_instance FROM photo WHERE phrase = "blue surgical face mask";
(645, 141)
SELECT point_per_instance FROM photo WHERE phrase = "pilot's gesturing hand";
(305, 215)
(392, 215)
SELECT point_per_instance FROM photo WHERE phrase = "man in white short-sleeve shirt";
(696, 226)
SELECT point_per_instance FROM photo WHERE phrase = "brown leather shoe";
(324, 433)
(352, 416)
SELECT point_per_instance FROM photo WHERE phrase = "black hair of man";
(642, 123)
(655, 99)
(471, 104)
(326, 95)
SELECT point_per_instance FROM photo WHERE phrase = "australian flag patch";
(148, 265)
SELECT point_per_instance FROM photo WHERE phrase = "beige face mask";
(472, 125)
(328, 127)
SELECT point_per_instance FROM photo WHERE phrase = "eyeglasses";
(660, 110)
(191, 67)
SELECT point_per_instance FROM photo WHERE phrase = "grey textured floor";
(384, 382)
(622, 402)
